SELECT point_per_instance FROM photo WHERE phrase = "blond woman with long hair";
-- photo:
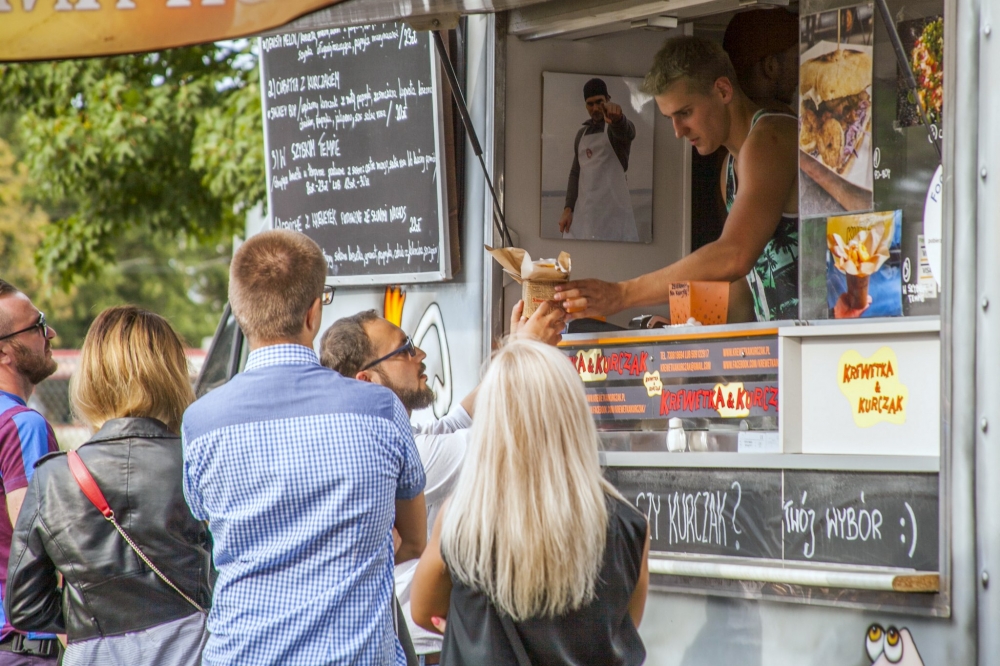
(535, 557)
(131, 388)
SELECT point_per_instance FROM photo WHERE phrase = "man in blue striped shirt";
(301, 474)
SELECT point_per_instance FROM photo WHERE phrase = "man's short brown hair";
(273, 280)
(698, 60)
(6, 289)
(345, 346)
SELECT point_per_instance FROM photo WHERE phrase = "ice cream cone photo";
(862, 278)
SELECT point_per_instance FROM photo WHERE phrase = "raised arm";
(768, 170)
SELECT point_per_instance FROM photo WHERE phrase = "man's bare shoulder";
(773, 140)
(774, 127)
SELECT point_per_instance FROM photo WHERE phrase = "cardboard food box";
(538, 278)
(705, 302)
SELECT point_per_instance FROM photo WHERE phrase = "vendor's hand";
(545, 325)
(566, 221)
(612, 112)
(590, 298)
(844, 311)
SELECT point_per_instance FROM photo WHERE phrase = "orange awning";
(51, 29)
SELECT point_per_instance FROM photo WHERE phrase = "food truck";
(819, 489)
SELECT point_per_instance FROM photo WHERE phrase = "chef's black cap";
(595, 87)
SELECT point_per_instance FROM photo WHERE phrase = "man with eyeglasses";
(302, 475)
(369, 348)
(25, 436)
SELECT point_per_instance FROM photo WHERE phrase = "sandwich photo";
(835, 113)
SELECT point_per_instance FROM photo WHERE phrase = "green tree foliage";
(162, 148)
(182, 280)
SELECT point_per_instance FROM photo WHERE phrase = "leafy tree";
(184, 281)
(163, 148)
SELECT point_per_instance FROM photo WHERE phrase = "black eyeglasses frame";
(40, 324)
(407, 347)
(327, 297)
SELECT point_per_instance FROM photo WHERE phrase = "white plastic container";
(676, 437)
(698, 441)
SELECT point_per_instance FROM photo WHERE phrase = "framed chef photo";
(597, 158)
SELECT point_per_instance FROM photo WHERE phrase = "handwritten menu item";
(861, 518)
(832, 517)
(354, 147)
(707, 512)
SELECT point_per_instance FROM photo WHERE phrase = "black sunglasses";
(40, 324)
(327, 296)
(407, 347)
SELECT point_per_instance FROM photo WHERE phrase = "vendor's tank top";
(774, 279)
(598, 634)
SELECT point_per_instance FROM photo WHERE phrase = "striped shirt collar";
(16, 398)
(286, 354)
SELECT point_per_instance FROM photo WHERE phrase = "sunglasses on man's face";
(40, 325)
(408, 348)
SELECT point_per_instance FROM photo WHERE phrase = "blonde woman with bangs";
(132, 389)
(535, 559)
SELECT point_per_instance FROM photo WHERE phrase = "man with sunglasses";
(369, 348)
(25, 436)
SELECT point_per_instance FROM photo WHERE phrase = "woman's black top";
(598, 634)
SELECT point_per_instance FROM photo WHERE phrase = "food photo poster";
(923, 42)
(835, 111)
(863, 277)
(597, 158)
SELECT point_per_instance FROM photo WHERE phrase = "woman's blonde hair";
(132, 364)
(527, 523)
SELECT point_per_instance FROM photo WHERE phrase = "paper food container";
(538, 278)
(705, 302)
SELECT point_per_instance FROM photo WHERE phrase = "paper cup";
(857, 291)
(536, 293)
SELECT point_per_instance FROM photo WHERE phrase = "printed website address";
(617, 409)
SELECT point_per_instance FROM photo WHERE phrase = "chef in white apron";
(603, 207)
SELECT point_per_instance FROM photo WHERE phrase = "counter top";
(787, 328)
(845, 463)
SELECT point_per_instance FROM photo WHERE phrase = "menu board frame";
(443, 270)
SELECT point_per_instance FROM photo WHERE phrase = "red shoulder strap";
(87, 484)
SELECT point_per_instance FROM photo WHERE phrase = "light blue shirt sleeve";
(411, 475)
(190, 481)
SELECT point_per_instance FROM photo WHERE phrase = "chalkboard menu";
(856, 518)
(354, 145)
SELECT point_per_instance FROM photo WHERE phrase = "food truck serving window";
(800, 459)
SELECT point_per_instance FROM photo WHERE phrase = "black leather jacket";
(108, 590)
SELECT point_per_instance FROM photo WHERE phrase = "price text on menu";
(354, 149)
